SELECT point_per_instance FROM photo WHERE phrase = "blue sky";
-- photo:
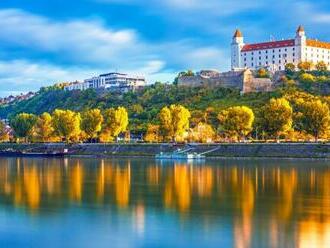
(43, 42)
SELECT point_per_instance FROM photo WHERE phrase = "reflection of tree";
(76, 182)
(32, 187)
(122, 184)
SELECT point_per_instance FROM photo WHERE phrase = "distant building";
(274, 55)
(112, 81)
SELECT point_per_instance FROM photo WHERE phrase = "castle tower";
(300, 44)
(236, 47)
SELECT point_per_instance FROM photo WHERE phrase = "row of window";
(266, 51)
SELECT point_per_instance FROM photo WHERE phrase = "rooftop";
(268, 45)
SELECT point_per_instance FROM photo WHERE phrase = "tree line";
(70, 126)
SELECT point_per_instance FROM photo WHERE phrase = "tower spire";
(238, 34)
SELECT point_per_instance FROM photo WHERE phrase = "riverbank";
(255, 150)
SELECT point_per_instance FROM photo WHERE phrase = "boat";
(184, 154)
(16, 153)
(180, 154)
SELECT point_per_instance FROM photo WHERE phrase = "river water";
(85, 202)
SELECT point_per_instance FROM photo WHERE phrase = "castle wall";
(242, 80)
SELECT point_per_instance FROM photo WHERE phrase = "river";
(88, 202)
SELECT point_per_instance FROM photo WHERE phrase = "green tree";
(23, 124)
(43, 128)
(115, 123)
(315, 118)
(91, 122)
(66, 124)
(277, 117)
(290, 68)
(174, 121)
(237, 121)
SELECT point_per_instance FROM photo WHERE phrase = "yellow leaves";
(91, 122)
(203, 133)
(277, 116)
(66, 124)
(43, 128)
(152, 134)
(174, 121)
(237, 120)
(115, 122)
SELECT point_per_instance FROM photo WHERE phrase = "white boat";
(179, 155)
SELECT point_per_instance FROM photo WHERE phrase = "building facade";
(274, 55)
(111, 81)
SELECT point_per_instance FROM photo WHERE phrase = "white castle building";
(112, 81)
(275, 55)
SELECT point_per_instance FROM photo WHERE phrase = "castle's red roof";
(268, 45)
(318, 44)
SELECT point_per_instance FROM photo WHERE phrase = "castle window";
(259, 63)
(273, 62)
(273, 56)
(293, 60)
(273, 50)
(293, 49)
(279, 62)
(252, 58)
(259, 52)
(252, 64)
(280, 67)
(293, 54)
(266, 57)
(279, 55)
(259, 58)
(279, 50)
(285, 49)
(266, 51)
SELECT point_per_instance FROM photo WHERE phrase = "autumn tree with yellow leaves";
(91, 122)
(115, 123)
(315, 118)
(44, 128)
(23, 124)
(236, 121)
(277, 117)
(174, 121)
(66, 124)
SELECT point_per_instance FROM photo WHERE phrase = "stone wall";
(284, 150)
(242, 80)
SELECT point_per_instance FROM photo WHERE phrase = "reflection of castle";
(249, 196)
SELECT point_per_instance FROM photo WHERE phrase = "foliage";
(152, 134)
(237, 121)
(115, 122)
(66, 124)
(305, 66)
(202, 133)
(174, 121)
(290, 68)
(4, 135)
(321, 66)
(316, 118)
(23, 124)
(43, 127)
(277, 117)
(91, 122)
(262, 73)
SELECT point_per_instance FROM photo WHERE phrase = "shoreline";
(222, 150)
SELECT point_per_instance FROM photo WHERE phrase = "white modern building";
(111, 81)
(274, 55)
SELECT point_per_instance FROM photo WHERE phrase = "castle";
(275, 55)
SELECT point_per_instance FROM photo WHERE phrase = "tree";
(306, 78)
(315, 118)
(290, 68)
(44, 129)
(305, 66)
(174, 121)
(115, 122)
(66, 124)
(277, 117)
(202, 133)
(152, 134)
(321, 67)
(91, 122)
(262, 73)
(23, 124)
(237, 120)
(4, 135)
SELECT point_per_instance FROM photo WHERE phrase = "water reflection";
(264, 204)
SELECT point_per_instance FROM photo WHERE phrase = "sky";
(45, 42)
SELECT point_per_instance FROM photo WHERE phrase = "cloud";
(78, 49)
